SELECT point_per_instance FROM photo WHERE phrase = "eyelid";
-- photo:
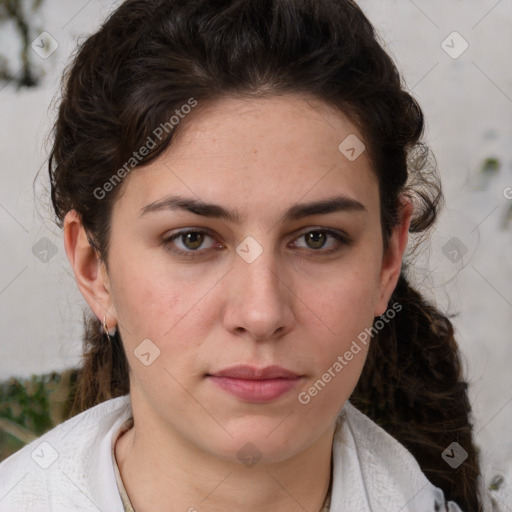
(341, 236)
(168, 239)
(325, 229)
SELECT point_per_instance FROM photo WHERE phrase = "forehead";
(264, 150)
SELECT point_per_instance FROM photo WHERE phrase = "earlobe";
(392, 261)
(89, 270)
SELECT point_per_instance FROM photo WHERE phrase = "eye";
(316, 239)
(190, 240)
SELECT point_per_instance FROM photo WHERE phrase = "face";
(274, 283)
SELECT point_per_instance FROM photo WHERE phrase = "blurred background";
(455, 59)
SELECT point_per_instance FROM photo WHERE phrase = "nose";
(259, 301)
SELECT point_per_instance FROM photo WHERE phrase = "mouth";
(256, 385)
(247, 372)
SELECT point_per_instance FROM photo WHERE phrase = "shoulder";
(399, 472)
(383, 475)
(54, 472)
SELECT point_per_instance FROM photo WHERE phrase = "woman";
(236, 181)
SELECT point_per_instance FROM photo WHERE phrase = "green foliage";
(9, 444)
(490, 166)
(31, 407)
(26, 402)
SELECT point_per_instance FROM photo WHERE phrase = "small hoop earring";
(106, 329)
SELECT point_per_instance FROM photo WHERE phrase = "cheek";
(345, 303)
(340, 354)
(165, 305)
(151, 308)
(148, 301)
(348, 297)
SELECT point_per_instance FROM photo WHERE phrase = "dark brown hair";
(150, 57)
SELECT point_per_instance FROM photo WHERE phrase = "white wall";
(40, 306)
(468, 106)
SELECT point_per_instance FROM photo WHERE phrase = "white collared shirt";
(72, 468)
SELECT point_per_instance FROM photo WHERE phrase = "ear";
(392, 260)
(90, 272)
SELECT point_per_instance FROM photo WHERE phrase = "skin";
(292, 306)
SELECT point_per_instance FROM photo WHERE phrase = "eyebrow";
(295, 212)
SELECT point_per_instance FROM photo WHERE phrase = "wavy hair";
(150, 57)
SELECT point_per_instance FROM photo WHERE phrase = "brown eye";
(315, 239)
(192, 239)
(189, 243)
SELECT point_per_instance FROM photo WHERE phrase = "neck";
(161, 471)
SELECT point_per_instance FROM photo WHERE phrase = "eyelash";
(342, 238)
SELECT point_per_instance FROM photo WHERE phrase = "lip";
(247, 372)
(253, 384)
